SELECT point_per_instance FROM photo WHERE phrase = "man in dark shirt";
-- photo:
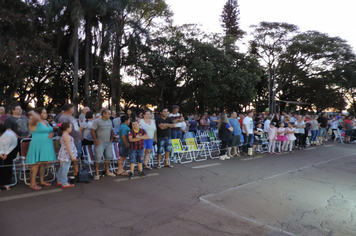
(19, 125)
(323, 125)
(164, 142)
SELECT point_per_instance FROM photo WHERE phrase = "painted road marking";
(26, 195)
(204, 166)
(135, 177)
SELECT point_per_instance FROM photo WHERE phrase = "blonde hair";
(223, 119)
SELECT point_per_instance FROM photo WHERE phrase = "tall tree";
(230, 20)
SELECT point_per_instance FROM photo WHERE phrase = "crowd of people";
(138, 134)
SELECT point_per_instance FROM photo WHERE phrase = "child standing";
(136, 137)
(291, 137)
(272, 137)
(281, 138)
(67, 153)
(258, 131)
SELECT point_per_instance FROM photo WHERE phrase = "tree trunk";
(75, 72)
(87, 58)
(116, 80)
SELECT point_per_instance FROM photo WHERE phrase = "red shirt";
(241, 122)
(138, 145)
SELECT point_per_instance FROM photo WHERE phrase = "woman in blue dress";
(41, 148)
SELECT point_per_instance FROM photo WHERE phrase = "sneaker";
(244, 153)
(227, 157)
(222, 158)
(142, 174)
(131, 175)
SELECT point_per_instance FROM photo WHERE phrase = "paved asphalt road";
(309, 192)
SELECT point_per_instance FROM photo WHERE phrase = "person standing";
(177, 118)
(236, 135)
(225, 134)
(8, 142)
(148, 125)
(136, 138)
(203, 123)
(300, 131)
(68, 110)
(19, 124)
(103, 135)
(67, 152)
(323, 125)
(85, 128)
(41, 148)
(247, 131)
(81, 118)
(124, 144)
(213, 122)
(3, 114)
(164, 142)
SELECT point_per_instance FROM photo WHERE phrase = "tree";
(230, 20)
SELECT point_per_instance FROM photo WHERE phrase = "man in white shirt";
(267, 123)
(247, 131)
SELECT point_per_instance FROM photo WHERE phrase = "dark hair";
(292, 123)
(67, 107)
(124, 118)
(49, 117)
(133, 114)
(249, 112)
(2, 128)
(134, 121)
(161, 109)
(258, 123)
(13, 107)
(39, 110)
(63, 127)
(89, 115)
(103, 111)
(147, 110)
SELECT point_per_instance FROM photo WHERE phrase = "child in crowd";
(291, 137)
(281, 138)
(258, 131)
(272, 137)
(136, 137)
(67, 152)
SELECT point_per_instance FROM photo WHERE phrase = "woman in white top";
(149, 126)
(8, 142)
(299, 125)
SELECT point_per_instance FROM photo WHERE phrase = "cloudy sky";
(336, 18)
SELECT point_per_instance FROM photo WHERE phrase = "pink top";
(63, 154)
(272, 132)
(291, 136)
(281, 131)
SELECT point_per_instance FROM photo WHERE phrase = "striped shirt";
(138, 145)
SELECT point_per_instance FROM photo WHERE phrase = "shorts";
(123, 150)
(148, 144)
(348, 133)
(322, 132)
(103, 149)
(136, 156)
(164, 145)
(234, 141)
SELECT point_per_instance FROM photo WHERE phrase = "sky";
(334, 17)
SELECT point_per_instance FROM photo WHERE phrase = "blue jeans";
(314, 135)
(247, 142)
(63, 170)
(322, 132)
(176, 134)
(164, 145)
